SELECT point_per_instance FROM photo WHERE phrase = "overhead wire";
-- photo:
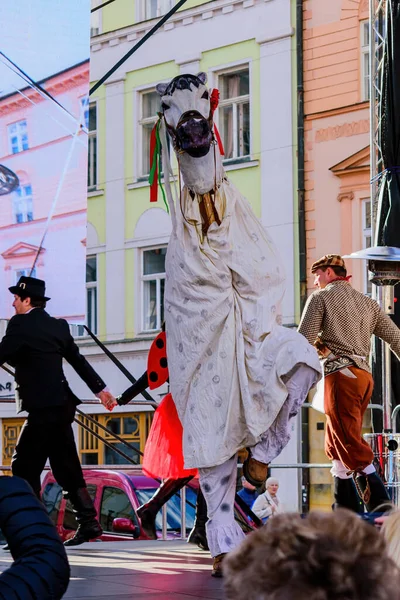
(34, 83)
(44, 93)
(57, 194)
(137, 46)
(62, 125)
(101, 6)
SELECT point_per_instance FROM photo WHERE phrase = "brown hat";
(329, 260)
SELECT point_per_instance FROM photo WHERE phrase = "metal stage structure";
(376, 51)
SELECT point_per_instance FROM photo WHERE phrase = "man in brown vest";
(340, 321)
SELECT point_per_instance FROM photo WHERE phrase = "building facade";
(47, 148)
(36, 142)
(246, 48)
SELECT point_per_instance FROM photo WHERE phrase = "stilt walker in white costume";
(236, 375)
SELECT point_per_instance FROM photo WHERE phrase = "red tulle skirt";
(163, 454)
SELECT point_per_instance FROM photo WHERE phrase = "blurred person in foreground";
(40, 570)
(36, 344)
(340, 321)
(268, 504)
(391, 532)
(326, 556)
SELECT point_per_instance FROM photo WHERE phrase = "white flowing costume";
(228, 358)
(236, 376)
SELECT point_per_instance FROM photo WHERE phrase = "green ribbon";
(157, 158)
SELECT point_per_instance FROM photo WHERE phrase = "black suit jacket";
(35, 344)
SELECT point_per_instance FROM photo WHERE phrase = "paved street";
(136, 570)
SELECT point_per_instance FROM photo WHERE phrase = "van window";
(173, 508)
(51, 498)
(69, 516)
(115, 504)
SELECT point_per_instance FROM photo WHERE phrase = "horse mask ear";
(203, 77)
(161, 88)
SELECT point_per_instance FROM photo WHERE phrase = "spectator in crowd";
(248, 493)
(326, 556)
(40, 570)
(268, 504)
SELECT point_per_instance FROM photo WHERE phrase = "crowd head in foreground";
(326, 556)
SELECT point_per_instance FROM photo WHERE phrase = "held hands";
(107, 400)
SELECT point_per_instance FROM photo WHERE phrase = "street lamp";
(8, 181)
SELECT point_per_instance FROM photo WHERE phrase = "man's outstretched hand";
(107, 400)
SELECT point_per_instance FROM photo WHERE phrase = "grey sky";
(42, 37)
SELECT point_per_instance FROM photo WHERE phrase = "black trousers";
(48, 435)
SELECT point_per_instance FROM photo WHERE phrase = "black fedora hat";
(30, 287)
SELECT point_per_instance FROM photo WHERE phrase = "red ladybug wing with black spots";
(157, 364)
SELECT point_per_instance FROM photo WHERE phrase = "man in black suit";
(35, 344)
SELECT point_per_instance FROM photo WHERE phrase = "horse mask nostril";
(194, 134)
(194, 126)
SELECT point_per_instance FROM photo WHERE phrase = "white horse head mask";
(186, 109)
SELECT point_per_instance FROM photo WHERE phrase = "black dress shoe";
(147, 521)
(6, 548)
(85, 533)
(198, 536)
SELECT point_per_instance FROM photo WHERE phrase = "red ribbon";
(214, 100)
(220, 146)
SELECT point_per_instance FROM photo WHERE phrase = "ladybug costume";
(163, 454)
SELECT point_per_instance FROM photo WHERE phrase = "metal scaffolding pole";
(376, 53)
(381, 366)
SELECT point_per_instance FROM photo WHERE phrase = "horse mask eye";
(205, 95)
(164, 106)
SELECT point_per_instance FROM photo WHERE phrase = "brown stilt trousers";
(346, 400)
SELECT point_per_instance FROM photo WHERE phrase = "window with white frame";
(364, 32)
(22, 204)
(95, 18)
(234, 112)
(156, 8)
(17, 137)
(366, 239)
(90, 116)
(150, 102)
(91, 293)
(153, 281)
(24, 273)
(85, 112)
